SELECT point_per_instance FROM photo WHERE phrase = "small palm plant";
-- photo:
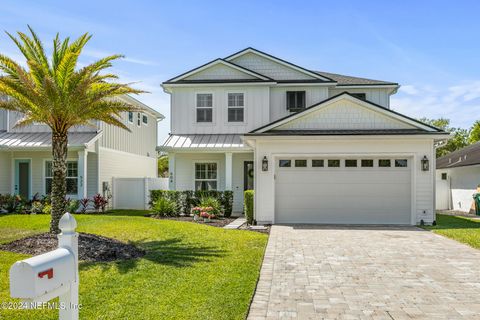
(61, 95)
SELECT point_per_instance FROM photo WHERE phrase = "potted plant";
(196, 213)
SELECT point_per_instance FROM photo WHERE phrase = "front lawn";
(190, 271)
(461, 229)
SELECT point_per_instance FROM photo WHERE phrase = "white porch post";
(171, 171)
(228, 170)
(82, 174)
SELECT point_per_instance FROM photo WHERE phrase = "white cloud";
(460, 103)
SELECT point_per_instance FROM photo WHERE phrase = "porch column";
(228, 170)
(171, 171)
(82, 174)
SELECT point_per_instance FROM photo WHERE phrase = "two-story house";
(96, 154)
(317, 147)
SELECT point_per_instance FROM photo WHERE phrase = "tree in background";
(61, 94)
(163, 166)
(474, 132)
(460, 137)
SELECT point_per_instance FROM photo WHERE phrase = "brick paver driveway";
(320, 272)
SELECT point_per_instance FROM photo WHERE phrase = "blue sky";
(430, 47)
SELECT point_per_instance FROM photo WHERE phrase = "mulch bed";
(214, 222)
(91, 247)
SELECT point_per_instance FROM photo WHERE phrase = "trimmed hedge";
(248, 205)
(186, 200)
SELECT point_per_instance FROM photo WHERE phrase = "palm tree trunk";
(59, 183)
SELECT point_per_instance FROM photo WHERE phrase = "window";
(72, 177)
(351, 163)
(362, 96)
(401, 163)
(444, 176)
(285, 163)
(316, 163)
(333, 163)
(235, 107)
(130, 117)
(384, 163)
(206, 176)
(204, 107)
(138, 119)
(300, 163)
(367, 163)
(295, 100)
(145, 119)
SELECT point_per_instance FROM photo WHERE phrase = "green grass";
(461, 229)
(191, 271)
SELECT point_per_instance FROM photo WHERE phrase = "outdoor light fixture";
(424, 163)
(265, 164)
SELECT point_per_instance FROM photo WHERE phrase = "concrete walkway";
(315, 272)
(235, 224)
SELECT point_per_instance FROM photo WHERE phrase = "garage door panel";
(343, 195)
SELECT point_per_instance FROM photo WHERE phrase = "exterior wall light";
(265, 164)
(425, 164)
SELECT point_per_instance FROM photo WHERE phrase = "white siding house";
(458, 178)
(317, 147)
(96, 154)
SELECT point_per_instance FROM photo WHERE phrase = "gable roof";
(280, 61)
(425, 128)
(467, 156)
(179, 78)
(343, 80)
(316, 76)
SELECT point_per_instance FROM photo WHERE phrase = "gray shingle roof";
(349, 80)
(467, 156)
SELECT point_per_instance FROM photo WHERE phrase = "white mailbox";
(52, 274)
(40, 275)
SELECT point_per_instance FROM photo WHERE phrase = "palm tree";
(61, 95)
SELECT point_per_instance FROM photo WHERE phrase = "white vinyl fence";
(134, 193)
(442, 195)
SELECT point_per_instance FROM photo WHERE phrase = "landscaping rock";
(91, 247)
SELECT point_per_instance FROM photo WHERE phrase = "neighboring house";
(317, 147)
(458, 176)
(96, 154)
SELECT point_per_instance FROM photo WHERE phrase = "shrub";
(36, 207)
(72, 205)
(248, 205)
(99, 202)
(84, 204)
(165, 207)
(47, 208)
(186, 200)
(211, 202)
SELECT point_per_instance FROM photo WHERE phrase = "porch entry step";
(235, 224)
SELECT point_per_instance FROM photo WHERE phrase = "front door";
(22, 178)
(248, 175)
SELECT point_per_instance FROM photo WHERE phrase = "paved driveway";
(320, 272)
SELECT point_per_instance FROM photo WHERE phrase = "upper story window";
(130, 117)
(145, 119)
(204, 107)
(138, 119)
(362, 95)
(236, 104)
(295, 100)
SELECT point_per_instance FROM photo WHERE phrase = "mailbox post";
(52, 274)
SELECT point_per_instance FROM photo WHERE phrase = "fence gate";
(442, 195)
(134, 193)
